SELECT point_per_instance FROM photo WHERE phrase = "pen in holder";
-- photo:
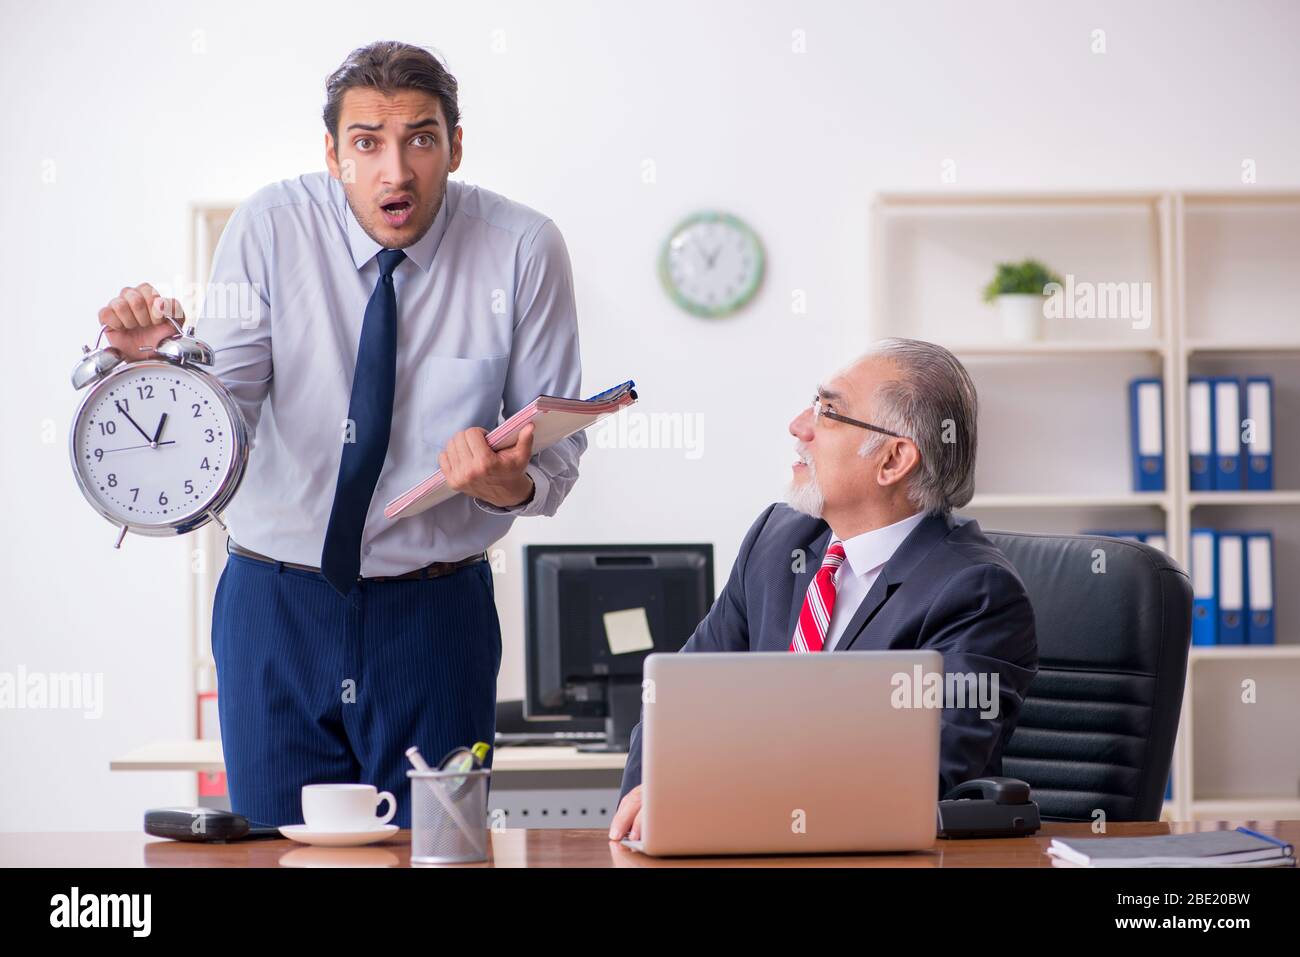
(449, 816)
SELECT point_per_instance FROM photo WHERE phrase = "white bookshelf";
(1054, 452)
(1048, 500)
(1063, 348)
(1289, 497)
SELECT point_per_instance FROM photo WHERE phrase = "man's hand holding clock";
(137, 320)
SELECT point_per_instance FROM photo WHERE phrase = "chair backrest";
(1114, 622)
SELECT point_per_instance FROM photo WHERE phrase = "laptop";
(780, 753)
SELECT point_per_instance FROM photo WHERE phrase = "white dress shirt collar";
(421, 253)
(868, 551)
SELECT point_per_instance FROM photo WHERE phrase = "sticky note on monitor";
(628, 631)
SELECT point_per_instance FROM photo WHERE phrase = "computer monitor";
(594, 612)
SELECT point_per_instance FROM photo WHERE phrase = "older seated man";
(867, 555)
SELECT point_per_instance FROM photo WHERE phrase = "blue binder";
(1232, 588)
(1227, 433)
(1259, 588)
(1202, 563)
(1147, 434)
(1200, 433)
(1259, 453)
(1169, 787)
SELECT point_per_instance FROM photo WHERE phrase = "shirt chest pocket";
(452, 393)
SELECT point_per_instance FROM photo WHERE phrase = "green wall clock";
(712, 264)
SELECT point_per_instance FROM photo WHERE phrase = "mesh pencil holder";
(449, 816)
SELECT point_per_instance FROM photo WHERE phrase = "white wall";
(137, 124)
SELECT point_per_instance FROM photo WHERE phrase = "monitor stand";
(623, 698)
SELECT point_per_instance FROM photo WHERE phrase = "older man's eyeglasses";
(823, 410)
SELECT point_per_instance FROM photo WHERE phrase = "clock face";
(712, 264)
(156, 445)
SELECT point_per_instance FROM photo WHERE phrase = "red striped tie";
(815, 616)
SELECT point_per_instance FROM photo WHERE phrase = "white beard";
(806, 497)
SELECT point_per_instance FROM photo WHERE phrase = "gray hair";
(932, 402)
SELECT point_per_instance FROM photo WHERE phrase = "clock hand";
(128, 448)
(131, 420)
(158, 433)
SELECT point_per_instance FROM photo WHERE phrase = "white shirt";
(864, 556)
(486, 323)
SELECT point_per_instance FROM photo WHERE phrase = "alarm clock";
(158, 446)
(712, 264)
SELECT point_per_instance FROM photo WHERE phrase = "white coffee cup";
(345, 807)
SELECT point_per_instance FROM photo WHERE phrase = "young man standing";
(388, 317)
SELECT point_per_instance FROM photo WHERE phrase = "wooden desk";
(543, 848)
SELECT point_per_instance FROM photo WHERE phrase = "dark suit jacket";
(946, 588)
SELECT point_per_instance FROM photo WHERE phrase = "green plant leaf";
(1027, 277)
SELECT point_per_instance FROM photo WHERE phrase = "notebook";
(1240, 848)
(553, 419)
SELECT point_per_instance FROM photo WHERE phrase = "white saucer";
(305, 835)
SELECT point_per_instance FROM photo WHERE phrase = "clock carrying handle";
(104, 329)
(179, 332)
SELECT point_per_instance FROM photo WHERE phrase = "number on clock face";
(713, 264)
(154, 446)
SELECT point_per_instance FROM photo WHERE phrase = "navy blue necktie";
(370, 413)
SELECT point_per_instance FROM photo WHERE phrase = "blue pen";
(1290, 851)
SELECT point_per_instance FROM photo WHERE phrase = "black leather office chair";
(1098, 724)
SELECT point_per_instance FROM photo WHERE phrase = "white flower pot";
(1022, 316)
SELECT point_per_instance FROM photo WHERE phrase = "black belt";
(435, 570)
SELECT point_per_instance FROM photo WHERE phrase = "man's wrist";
(532, 490)
(513, 500)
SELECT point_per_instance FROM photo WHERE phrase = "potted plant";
(1018, 289)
